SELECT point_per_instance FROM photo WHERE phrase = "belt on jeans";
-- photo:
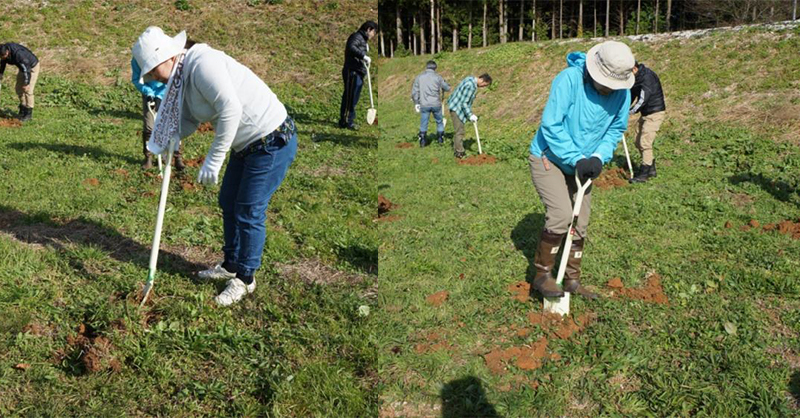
(279, 136)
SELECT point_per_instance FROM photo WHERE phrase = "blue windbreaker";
(153, 88)
(578, 122)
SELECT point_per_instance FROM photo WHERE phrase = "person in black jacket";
(648, 99)
(28, 64)
(354, 71)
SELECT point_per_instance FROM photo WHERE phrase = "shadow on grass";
(465, 397)
(794, 388)
(341, 138)
(76, 150)
(363, 259)
(116, 113)
(526, 237)
(779, 189)
(43, 229)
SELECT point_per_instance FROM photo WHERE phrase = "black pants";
(353, 81)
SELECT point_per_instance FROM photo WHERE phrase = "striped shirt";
(461, 100)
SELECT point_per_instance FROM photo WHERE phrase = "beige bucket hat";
(611, 64)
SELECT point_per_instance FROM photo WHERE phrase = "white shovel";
(561, 305)
(627, 156)
(162, 204)
(478, 137)
(371, 112)
(444, 119)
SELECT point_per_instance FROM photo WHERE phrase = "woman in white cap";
(206, 85)
(583, 120)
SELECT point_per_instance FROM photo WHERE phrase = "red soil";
(651, 292)
(521, 291)
(610, 179)
(478, 160)
(437, 298)
(404, 145)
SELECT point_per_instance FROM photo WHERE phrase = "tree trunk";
(455, 38)
(621, 18)
(399, 28)
(794, 10)
(469, 39)
(656, 31)
(433, 28)
(553, 22)
(391, 48)
(638, 14)
(439, 43)
(484, 22)
(533, 23)
(595, 20)
(580, 18)
(502, 21)
(669, 13)
(561, 19)
(521, 20)
(608, 13)
(414, 37)
(422, 37)
(383, 48)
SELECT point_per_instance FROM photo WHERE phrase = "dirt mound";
(437, 298)
(197, 162)
(404, 145)
(121, 171)
(521, 291)
(478, 160)
(95, 352)
(432, 342)
(786, 227)
(38, 330)
(651, 292)
(10, 123)
(187, 185)
(610, 179)
(558, 327)
(93, 182)
(384, 206)
(205, 127)
(525, 357)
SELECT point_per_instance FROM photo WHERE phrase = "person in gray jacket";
(427, 96)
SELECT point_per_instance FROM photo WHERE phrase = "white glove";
(207, 175)
(473, 118)
(416, 108)
(367, 59)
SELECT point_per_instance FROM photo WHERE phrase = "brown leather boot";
(544, 262)
(148, 157)
(572, 276)
(179, 161)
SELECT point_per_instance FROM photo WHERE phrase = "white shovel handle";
(477, 136)
(369, 84)
(627, 155)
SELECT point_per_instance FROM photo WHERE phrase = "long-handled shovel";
(444, 119)
(152, 109)
(478, 137)
(162, 204)
(372, 113)
(561, 305)
(627, 155)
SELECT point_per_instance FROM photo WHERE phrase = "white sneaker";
(234, 292)
(216, 273)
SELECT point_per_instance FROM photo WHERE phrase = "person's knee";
(558, 220)
(251, 215)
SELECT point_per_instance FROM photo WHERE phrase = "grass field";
(77, 216)
(707, 323)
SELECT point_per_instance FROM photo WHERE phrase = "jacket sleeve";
(643, 96)
(445, 86)
(415, 91)
(605, 150)
(136, 74)
(2, 67)
(355, 47)
(212, 80)
(26, 73)
(552, 127)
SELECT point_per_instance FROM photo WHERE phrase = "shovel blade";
(371, 114)
(557, 305)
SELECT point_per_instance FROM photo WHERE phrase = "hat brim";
(174, 48)
(594, 70)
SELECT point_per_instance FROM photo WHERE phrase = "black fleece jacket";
(22, 57)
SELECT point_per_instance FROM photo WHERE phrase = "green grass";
(77, 218)
(723, 156)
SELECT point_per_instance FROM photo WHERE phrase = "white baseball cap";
(611, 64)
(154, 47)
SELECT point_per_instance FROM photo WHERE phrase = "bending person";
(248, 118)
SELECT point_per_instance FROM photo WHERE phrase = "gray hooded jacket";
(427, 88)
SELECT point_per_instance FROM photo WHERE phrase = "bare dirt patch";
(39, 330)
(10, 123)
(94, 351)
(431, 342)
(613, 178)
(438, 298)
(477, 160)
(787, 227)
(523, 357)
(187, 185)
(312, 270)
(197, 162)
(92, 182)
(385, 206)
(651, 292)
(521, 291)
(205, 127)
(404, 145)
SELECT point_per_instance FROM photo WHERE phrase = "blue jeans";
(353, 81)
(247, 187)
(425, 114)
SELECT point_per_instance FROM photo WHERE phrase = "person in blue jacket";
(582, 123)
(152, 94)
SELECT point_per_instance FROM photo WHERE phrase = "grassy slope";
(73, 251)
(728, 152)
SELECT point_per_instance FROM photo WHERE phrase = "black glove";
(588, 168)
